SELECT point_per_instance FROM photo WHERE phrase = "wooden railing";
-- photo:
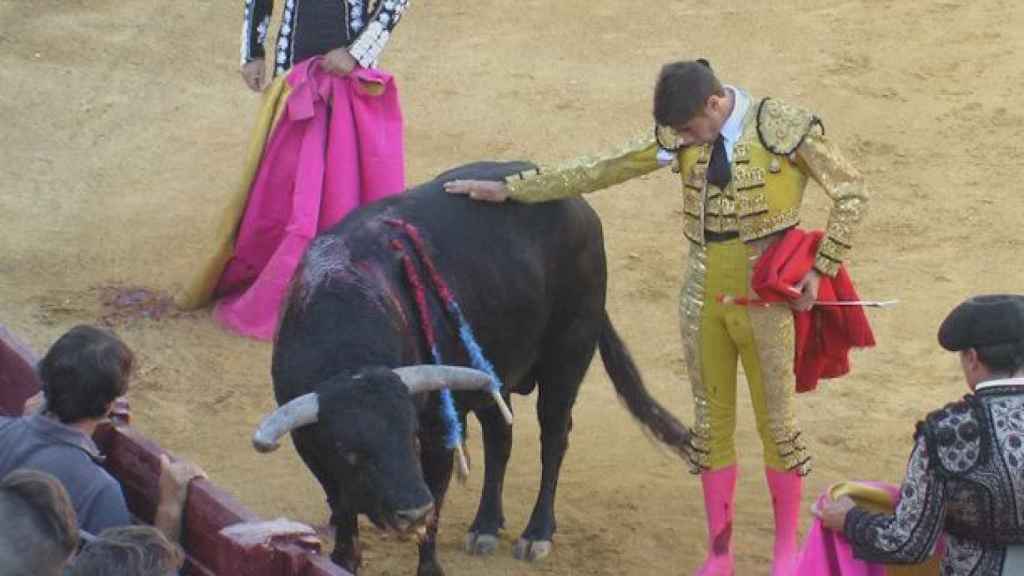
(220, 536)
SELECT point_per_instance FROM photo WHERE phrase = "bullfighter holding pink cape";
(329, 139)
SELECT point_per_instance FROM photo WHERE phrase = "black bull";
(530, 280)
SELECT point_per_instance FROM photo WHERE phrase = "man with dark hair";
(744, 164)
(682, 90)
(965, 477)
(84, 371)
(128, 551)
(38, 532)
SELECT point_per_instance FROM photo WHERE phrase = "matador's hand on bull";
(478, 189)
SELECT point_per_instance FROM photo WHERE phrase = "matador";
(744, 163)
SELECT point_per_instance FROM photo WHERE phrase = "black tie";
(719, 172)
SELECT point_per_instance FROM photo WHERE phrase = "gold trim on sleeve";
(587, 174)
(844, 185)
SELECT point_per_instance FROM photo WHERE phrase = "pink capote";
(828, 553)
(337, 145)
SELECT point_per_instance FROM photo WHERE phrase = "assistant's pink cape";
(828, 553)
(338, 145)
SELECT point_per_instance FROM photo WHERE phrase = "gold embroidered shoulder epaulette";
(782, 127)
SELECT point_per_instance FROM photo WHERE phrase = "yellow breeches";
(717, 337)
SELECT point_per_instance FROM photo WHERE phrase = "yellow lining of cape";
(199, 290)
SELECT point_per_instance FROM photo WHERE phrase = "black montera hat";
(983, 321)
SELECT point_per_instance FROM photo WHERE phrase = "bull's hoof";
(531, 550)
(481, 544)
(429, 569)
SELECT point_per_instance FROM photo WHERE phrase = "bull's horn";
(299, 412)
(429, 377)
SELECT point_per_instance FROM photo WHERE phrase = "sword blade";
(745, 301)
(865, 303)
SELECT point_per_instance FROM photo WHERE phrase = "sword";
(744, 301)
(864, 303)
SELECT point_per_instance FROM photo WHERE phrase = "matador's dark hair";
(682, 90)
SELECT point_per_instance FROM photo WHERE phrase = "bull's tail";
(631, 390)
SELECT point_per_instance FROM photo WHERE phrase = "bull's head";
(371, 424)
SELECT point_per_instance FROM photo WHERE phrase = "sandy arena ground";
(124, 124)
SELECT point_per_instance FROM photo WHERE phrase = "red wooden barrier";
(18, 380)
(221, 537)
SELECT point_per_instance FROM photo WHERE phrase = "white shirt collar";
(732, 130)
(1000, 382)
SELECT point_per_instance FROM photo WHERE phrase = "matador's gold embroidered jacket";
(780, 148)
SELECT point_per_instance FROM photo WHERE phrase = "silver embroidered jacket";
(965, 479)
(313, 27)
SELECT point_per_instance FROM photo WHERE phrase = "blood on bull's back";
(516, 270)
(404, 282)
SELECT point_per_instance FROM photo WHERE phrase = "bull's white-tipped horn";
(298, 412)
(505, 411)
(429, 377)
